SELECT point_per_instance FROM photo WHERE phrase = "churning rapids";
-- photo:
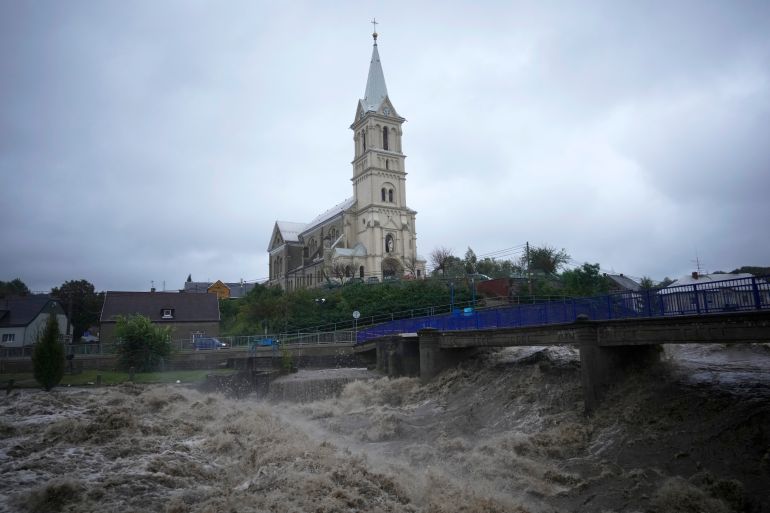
(503, 433)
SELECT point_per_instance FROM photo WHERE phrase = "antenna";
(698, 266)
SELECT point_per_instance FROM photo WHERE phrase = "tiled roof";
(187, 307)
(705, 278)
(624, 282)
(21, 310)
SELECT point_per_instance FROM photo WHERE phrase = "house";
(701, 293)
(23, 318)
(219, 288)
(188, 315)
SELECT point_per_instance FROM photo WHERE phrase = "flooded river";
(503, 433)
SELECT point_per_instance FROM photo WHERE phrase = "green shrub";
(48, 356)
(141, 344)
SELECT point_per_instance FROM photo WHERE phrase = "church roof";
(290, 231)
(357, 250)
(376, 91)
(325, 216)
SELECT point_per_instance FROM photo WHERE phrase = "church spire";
(376, 91)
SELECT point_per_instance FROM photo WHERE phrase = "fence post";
(755, 290)
(697, 300)
(648, 303)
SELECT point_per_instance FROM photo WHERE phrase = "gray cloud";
(143, 141)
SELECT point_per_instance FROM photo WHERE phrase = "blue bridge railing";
(706, 297)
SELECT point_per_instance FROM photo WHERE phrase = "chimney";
(695, 275)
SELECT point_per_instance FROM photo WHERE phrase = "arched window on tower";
(383, 193)
(387, 164)
(384, 138)
(363, 140)
(390, 196)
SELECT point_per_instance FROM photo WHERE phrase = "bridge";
(608, 348)
(613, 332)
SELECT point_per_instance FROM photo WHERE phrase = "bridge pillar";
(399, 356)
(604, 366)
(434, 359)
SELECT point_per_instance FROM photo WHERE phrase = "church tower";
(385, 225)
(370, 236)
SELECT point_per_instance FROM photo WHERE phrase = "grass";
(88, 377)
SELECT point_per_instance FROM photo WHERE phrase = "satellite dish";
(356, 314)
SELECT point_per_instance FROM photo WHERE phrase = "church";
(370, 236)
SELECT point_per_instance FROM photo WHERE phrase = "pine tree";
(48, 356)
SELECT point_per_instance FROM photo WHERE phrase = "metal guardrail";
(738, 295)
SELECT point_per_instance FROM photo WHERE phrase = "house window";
(390, 196)
(361, 272)
(384, 138)
(9, 337)
(418, 273)
(167, 313)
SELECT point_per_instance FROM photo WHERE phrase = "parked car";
(205, 343)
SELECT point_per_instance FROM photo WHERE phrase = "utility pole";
(529, 274)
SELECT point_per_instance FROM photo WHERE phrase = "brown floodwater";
(502, 433)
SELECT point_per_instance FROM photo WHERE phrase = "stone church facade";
(371, 235)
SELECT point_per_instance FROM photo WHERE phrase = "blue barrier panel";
(742, 294)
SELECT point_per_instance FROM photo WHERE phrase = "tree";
(752, 269)
(82, 304)
(497, 268)
(48, 356)
(646, 283)
(341, 271)
(439, 258)
(546, 259)
(470, 261)
(585, 280)
(410, 264)
(14, 287)
(141, 344)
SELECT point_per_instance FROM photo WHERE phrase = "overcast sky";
(141, 141)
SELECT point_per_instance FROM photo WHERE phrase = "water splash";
(505, 432)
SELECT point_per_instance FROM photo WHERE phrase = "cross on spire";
(374, 23)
